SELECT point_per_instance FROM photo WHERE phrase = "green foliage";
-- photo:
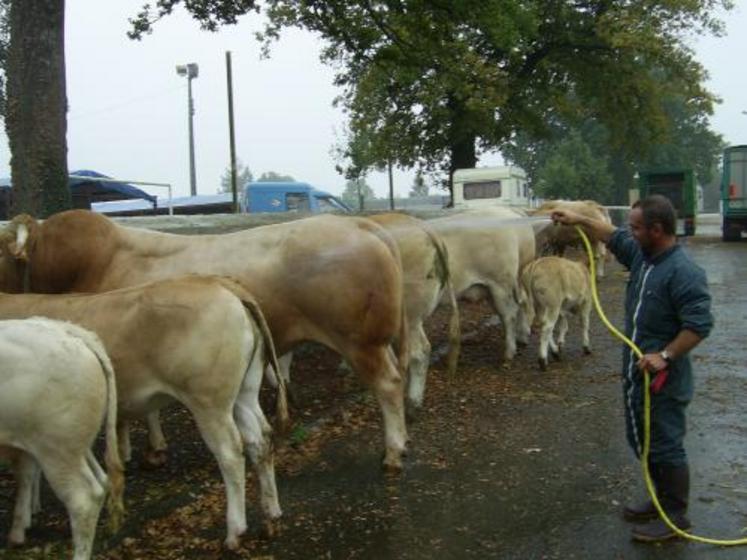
(572, 171)
(209, 13)
(243, 176)
(273, 177)
(356, 192)
(419, 186)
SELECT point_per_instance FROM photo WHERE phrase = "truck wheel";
(731, 231)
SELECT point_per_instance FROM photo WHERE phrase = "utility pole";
(232, 138)
(191, 71)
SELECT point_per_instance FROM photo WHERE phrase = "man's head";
(653, 223)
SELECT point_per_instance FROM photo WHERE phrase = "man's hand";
(652, 362)
(566, 217)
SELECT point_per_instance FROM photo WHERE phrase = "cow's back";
(325, 278)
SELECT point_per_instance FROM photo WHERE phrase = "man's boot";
(673, 490)
(644, 510)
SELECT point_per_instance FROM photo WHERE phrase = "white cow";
(552, 288)
(197, 340)
(487, 249)
(57, 387)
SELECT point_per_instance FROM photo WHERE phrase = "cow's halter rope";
(646, 409)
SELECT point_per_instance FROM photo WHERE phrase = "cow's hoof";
(392, 464)
(232, 543)
(587, 350)
(557, 354)
(521, 344)
(271, 528)
(412, 413)
(16, 539)
(154, 459)
(542, 364)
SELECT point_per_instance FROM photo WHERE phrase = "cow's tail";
(112, 459)
(282, 416)
(444, 276)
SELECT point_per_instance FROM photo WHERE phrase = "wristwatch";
(666, 356)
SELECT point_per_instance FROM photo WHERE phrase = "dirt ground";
(507, 463)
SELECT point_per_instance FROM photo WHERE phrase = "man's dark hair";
(657, 209)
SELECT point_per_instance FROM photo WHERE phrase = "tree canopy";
(433, 83)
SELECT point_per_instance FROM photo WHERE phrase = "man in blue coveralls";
(667, 313)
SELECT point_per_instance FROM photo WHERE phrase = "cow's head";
(16, 243)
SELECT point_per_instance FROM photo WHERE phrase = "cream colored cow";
(487, 249)
(427, 278)
(57, 388)
(552, 289)
(197, 340)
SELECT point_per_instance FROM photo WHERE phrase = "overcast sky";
(128, 107)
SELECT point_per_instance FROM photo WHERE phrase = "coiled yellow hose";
(646, 409)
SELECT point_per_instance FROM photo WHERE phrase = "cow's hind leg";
(562, 331)
(420, 353)
(548, 319)
(256, 433)
(222, 437)
(155, 455)
(378, 370)
(25, 471)
(585, 313)
(507, 307)
(77, 487)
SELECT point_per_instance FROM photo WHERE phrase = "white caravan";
(504, 185)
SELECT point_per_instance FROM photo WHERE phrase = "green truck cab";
(734, 193)
(680, 187)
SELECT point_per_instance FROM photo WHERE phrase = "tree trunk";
(461, 142)
(36, 119)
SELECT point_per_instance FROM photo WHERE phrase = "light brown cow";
(194, 341)
(425, 264)
(552, 288)
(328, 279)
(487, 249)
(57, 387)
(558, 237)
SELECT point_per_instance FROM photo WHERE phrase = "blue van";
(290, 196)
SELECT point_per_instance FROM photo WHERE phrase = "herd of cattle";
(201, 320)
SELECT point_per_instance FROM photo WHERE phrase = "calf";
(551, 289)
(58, 385)
(198, 340)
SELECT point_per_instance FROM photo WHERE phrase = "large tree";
(688, 143)
(433, 83)
(35, 104)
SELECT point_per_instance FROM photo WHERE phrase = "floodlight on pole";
(191, 71)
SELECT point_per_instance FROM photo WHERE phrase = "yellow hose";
(646, 409)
